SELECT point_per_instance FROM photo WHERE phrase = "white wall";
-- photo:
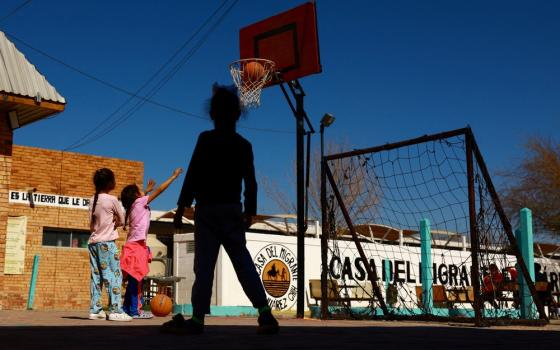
(451, 267)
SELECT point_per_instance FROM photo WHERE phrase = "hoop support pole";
(300, 115)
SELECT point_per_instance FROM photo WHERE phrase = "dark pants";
(490, 297)
(216, 225)
(133, 297)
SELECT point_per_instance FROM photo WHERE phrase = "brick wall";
(5, 170)
(63, 278)
(5, 166)
(6, 135)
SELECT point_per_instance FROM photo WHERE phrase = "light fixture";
(327, 120)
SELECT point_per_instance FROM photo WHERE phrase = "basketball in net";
(161, 305)
(250, 76)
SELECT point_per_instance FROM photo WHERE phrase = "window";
(56, 237)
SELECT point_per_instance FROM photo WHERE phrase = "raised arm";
(164, 185)
(150, 187)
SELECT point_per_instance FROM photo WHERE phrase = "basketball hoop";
(250, 75)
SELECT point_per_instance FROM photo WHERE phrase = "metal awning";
(24, 92)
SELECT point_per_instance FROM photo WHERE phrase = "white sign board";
(14, 262)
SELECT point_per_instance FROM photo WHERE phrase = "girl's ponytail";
(126, 218)
(128, 196)
(93, 208)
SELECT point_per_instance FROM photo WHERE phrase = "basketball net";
(250, 75)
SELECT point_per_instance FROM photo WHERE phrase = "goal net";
(415, 229)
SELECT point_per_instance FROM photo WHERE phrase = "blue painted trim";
(442, 312)
(387, 270)
(33, 283)
(524, 238)
(215, 310)
(426, 259)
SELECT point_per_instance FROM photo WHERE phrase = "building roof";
(19, 77)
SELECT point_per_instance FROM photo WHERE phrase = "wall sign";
(277, 268)
(48, 200)
(14, 262)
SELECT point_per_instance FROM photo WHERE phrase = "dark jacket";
(220, 162)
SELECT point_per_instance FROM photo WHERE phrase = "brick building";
(51, 190)
(43, 195)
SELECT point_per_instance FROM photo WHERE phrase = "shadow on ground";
(291, 337)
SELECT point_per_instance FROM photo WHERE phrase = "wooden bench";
(446, 298)
(512, 288)
(439, 297)
(460, 295)
(341, 293)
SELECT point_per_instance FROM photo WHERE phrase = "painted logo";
(277, 268)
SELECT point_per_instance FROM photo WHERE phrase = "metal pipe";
(324, 232)
(474, 233)
(409, 142)
(371, 272)
(506, 224)
(33, 283)
(300, 134)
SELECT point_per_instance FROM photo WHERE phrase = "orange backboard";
(289, 39)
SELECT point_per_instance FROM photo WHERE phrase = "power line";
(16, 9)
(160, 84)
(130, 93)
(99, 80)
(81, 141)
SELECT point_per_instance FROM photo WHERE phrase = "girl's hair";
(225, 107)
(103, 180)
(128, 196)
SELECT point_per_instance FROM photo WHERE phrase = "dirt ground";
(72, 330)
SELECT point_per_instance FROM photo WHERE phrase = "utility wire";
(16, 9)
(128, 92)
(80, 141)
(99, 80)
(160, 84)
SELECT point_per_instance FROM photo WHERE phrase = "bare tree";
(534, 183)
(351, 179)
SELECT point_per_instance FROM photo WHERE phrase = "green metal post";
(34, 272)
(524, 236)
(387, 274)
(426, 259)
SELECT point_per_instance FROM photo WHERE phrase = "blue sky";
(391, 70)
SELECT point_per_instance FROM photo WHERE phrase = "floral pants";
(105, 272)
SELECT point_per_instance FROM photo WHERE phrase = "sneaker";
(267, 324)
(119, 317)
(143, 315)
(178, 325)
(101, 315)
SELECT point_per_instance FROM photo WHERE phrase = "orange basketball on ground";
(161, 305)
(253, 71)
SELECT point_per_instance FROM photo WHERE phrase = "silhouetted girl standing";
(221, 162)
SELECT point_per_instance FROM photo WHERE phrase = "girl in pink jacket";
(135, 254)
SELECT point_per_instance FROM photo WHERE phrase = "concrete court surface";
(72, 330)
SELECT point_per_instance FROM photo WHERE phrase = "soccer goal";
(415, 229)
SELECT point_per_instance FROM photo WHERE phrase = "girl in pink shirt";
(106, 215)
(136, 256)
